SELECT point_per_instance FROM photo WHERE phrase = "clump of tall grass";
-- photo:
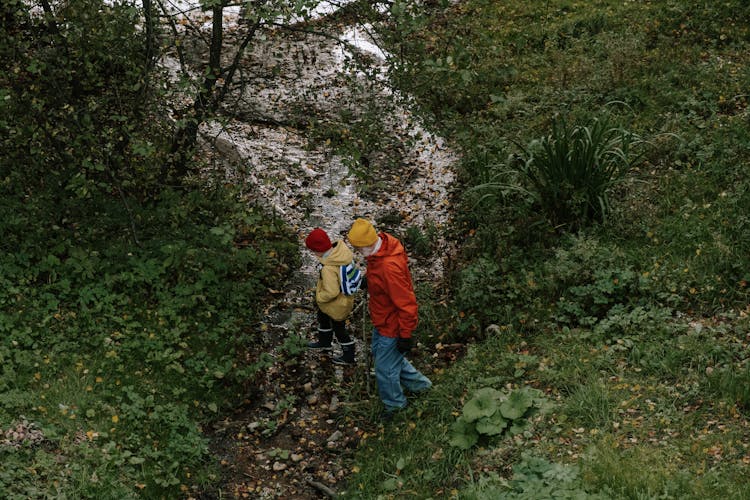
(568, 174)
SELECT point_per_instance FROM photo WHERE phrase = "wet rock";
(492, 330)
(335, 437)
(334, 406)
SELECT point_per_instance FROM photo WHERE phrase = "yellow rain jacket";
(328, 294)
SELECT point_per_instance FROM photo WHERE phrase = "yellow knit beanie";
(362, 234)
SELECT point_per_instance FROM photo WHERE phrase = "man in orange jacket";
(393, 312)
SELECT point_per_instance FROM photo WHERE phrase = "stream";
(290, 439)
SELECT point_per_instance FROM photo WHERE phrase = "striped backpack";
(350, 277)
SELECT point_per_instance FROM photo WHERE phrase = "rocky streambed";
(316, 134)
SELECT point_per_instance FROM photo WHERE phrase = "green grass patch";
(633, 325)
(115, 353)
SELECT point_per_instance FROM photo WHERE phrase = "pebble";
(334, 404)
(335, 436)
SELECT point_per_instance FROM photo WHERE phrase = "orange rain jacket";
(393, 305)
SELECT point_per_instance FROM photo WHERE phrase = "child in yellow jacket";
(333, 306)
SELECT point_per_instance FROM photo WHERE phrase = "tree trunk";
(209, 98)
(148, 14)
(186, 136)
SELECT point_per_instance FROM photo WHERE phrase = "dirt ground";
(296, 438)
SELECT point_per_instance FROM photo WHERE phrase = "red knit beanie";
(318, 241)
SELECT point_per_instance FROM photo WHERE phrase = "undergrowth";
(117, 352)
(634, 322)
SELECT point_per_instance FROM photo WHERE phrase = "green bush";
(570, 172)
(76, 84)
(479, 286)
(586, 278)
(533, 478)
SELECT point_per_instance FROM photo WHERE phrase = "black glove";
(404, 346)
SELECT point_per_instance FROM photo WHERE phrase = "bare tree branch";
(232, 68)
(177, 46)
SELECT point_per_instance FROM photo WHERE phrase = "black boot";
(324, 340)
(347, 357)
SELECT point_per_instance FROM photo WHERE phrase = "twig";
(322, 488)
(364, 342)
(177, 46)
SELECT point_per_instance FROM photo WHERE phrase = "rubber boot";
(324, 340)
(347, 356)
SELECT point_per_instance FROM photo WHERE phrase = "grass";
(118, 353)
(633, 433)
(635, 328)
(406, 455)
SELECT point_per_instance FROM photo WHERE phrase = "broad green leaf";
(483, 404)
(516, 405)
(492, 425)
(463, 434)
(519, 426)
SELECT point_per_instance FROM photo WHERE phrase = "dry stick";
(364, 343)
(322, 488)
(364, 335)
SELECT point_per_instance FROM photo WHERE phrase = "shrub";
(585, 304)
(533, 478)
(492, 413)
(569, 173)
(588, 278)
(120, 352)
(479, 293)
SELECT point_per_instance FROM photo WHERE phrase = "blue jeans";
(392, 371)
